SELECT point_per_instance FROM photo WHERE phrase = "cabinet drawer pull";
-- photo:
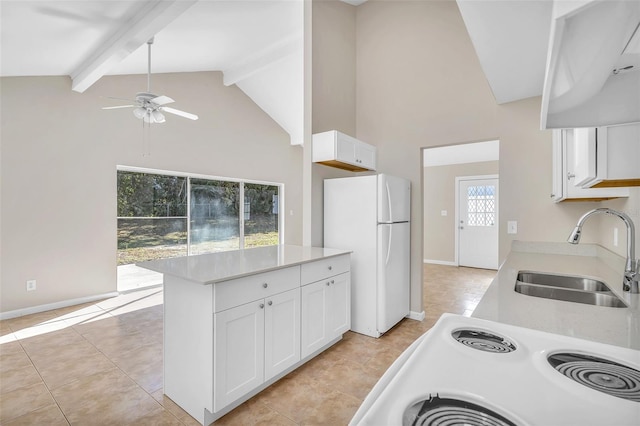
(261, 305)
(332, 281)
(330, 267)
(328, 283)
(265, 285)
(269, 303)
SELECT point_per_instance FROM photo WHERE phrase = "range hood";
(593, 65)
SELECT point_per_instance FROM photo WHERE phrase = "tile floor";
(101, 363)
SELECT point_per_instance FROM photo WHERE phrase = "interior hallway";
(101, 363)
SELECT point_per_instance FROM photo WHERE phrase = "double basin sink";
(567, 288)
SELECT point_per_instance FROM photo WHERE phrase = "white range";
(478, 372)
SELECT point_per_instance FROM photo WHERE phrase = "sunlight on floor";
(58, 319)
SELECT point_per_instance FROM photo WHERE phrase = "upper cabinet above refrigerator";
(336, 149)
(593, 65)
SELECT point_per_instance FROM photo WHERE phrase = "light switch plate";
(512, 227)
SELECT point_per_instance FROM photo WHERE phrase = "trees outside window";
(162, 216)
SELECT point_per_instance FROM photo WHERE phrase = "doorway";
(441, 166)
(477, 219)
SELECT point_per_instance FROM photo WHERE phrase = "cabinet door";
(366, 156)
(346, 149)
(238, 361)
(314, 330)
(339, 305)
(282, 332)
(584, 155)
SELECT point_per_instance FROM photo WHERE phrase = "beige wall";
(439, 193)
(58, 171)
(334, 89)
(419, 84)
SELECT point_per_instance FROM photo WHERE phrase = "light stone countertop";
(615, 326)
(214, 267)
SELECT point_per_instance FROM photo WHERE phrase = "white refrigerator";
(370, 215)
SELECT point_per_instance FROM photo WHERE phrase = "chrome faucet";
(632, 265)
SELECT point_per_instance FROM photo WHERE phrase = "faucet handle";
(631, 281)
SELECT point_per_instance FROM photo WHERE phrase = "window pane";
(260, 215)
(481, 205)
(152, 221)
(214, 216)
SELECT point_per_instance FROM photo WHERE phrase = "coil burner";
(483, 341)
(437, 411)
(600, 374)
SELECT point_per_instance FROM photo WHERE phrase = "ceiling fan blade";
(119, 106)
(162, 100)
(118, 99)
(180, 113)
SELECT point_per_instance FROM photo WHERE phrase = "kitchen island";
(615, 326)
(237, 321)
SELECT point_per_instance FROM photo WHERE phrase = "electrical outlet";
(512, 227)
(31, 285)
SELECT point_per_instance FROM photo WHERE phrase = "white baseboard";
(418, 316)
(56, 305)
(440, 262)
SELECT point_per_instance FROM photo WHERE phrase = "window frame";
(241, 208)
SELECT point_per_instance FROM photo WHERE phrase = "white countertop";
(221, 266)
(615, 326)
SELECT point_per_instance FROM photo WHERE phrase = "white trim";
(146, 170)
(439, 262)
(418, 316)
(57, 305)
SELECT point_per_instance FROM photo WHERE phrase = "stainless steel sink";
(564, 281)
(567, 288)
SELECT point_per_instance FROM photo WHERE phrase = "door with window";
(477, 222)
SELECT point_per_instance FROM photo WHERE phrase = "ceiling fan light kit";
(150, 107)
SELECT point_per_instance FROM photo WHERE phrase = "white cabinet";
(253, 343)
(326, 308)
(608, 157)
(564, 170)
(326, 304)
(282, 332)
(336, 149)
(238, 361)
(227, 339)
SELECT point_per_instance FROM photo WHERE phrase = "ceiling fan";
(150, 107)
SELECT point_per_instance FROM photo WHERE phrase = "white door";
(478, 222)
(238, 362)
(393, 274)
(314, 332)
(394, 199)
(281, 332)
(339, 305)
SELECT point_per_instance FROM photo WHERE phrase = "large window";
(162, 215)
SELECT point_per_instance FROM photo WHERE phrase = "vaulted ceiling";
(257, 44)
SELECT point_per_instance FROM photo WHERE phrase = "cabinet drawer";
(320, 269)
(227, 294)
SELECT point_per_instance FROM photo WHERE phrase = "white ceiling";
(245, 39)
(511, 39)
(251, 41)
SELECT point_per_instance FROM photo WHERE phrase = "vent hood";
(593, 65)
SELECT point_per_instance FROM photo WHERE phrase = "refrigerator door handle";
(389, 201)
(386, 262)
